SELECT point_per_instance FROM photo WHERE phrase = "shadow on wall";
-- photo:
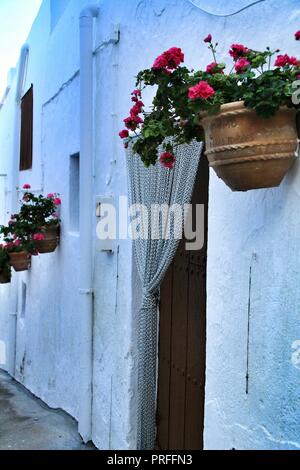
(2, 354)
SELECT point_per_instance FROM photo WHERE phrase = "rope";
(254, 158)
(224, 148)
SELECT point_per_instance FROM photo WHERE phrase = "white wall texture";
(258, 228)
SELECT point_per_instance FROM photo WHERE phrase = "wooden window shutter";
(26, 130)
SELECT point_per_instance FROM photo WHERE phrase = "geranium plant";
(39, 211)
(17, 236)
(264, 84)
(35, 215)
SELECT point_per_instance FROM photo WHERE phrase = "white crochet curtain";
(148, 186)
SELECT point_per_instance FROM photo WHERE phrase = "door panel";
(179, 326)
(164, 356)
(181, 376)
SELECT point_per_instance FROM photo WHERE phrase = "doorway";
(182, 340)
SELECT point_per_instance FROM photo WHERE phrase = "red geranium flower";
(131, 122)
(167, 159)
(124, 134)
(57, 201)
(137, 92)
(297, 35)
(285, 59)
(208, 38)
(169, 59)
(137, 108)
(160, 62)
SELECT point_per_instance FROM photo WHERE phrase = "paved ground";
(26, 423)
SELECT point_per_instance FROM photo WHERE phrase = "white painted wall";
(264, 222)
(6, 139)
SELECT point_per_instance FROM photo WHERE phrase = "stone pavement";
(26, 423)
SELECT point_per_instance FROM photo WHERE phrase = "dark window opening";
(26, 130)
(23, 304)
(74, 193)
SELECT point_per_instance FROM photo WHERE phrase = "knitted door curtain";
(154, 190)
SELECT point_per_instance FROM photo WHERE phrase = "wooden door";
(182, 337)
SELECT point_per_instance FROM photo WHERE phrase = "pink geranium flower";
(50, 196)
(201, 90)
(57, 201)
(38, 236)
(26, 186)
(241, 65)
(160, 62)
(169, 59)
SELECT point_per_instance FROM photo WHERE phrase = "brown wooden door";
(181, 376)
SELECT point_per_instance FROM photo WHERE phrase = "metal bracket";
(86, 291)
(114, 38)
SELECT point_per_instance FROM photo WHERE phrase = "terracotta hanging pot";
(20, 261)
(247, 151)
(5, 277)
(50, 243)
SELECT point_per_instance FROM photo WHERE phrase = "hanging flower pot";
(5, 277)
(20, 261)
(246, 113)
(47, 240)
(248, 151)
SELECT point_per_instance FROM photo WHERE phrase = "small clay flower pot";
(51, 240)
(247, 151)
(5, 277)
(20, 261)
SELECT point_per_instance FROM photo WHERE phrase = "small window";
(74, 193)
(26, 130)
(23, 304)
